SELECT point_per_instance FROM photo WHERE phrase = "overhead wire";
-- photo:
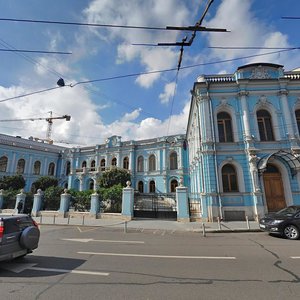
(149, 72)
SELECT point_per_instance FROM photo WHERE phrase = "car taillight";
(35, 223)
(1, 229)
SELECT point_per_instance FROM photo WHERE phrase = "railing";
(195, 206)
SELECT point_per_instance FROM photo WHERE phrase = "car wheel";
(291, 232)
(30, 238)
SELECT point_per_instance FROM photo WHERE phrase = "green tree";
(52, 197)
(15, 182)
(81, 200)
(113, 177)
(45, 182)
(112, 198)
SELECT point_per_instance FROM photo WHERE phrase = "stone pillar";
(245, 114)
(286, 112)
(64, 203)
(95, 206)
(37, 203)
(127, 202)
(207, 135)
(182, 203)
(1, 199)
(20, 202)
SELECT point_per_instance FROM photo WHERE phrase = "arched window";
(229, 179)
(297, 113)
(68, 168)
(141, 187)
(3, 163)
(93, 165)
(102, 164)
(174, 185)
(152, 163)
(152, 186)
(126, 163)
(21, 166)
(51, 169)
(37, 168)
(173, 161)
(91, 184)
(140, 164)
(265, 128)
(224, 127)
(83, 165)
(114, 162)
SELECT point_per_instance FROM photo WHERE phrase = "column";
(64, 203)
(20, 202)
(127, 202)
(182, 203)
(245, 114)
(204, 103)
(95, 206)
(286, 112)
(37, 203)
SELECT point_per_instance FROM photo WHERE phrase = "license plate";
(262, 226)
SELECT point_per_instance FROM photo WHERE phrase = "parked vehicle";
(19, 235)
(285, 222)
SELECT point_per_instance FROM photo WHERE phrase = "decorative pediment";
(260, 73)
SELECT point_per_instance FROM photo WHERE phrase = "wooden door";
(274, 191)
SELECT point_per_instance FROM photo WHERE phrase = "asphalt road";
(102, 263)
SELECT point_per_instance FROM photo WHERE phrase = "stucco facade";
(243, 141)
(156, 165)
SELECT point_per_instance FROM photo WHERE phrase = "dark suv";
(19, 235)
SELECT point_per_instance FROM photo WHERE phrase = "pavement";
(151, 224)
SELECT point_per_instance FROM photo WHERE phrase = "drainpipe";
(215, 153)
(200, 154)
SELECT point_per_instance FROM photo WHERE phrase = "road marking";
(70, 271)
(18, 268)
(86, 230)
(295, 257)
(103, 241)
(157, 256)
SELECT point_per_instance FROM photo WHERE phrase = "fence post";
(219, 223)
(20, 202)
(127, 201)
(203, 229)
(64, 203)
(1, 199)
(182, 200)
(95, 205)
(37, 203)
(248, 224)
(125, 227)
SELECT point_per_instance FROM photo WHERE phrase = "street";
(74, 262)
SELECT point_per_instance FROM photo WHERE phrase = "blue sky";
(135, 107)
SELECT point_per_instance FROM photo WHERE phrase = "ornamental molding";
(260, 73)
(283, 93)
(243, 94)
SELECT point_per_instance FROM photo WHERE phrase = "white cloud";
(168, 93)
(154, 13)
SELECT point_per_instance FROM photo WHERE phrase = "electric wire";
(83, 24)
(149, 72)
(34, 51)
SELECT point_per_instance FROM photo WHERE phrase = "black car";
(19, 235)
(285, 222)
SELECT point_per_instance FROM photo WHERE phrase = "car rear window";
(17, 224)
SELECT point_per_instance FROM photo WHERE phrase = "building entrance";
(274, 190)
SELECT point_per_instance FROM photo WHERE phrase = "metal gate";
(159, 206)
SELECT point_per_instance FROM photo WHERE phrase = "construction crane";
(49, 120)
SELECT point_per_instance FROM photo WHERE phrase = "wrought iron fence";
(195, 206)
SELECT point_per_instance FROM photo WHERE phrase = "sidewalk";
(152, 224)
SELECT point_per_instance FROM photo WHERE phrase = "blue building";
(156, 165)
(239, 157)
(243, 142)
